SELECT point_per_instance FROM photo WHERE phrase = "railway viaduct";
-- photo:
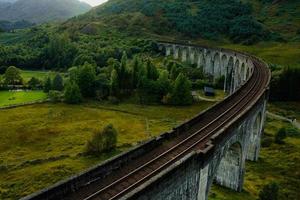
(184, 162)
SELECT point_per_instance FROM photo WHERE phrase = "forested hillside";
(120, 25)
(240, 21)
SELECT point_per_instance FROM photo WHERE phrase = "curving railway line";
(196, 138)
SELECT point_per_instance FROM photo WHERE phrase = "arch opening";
(254, 141)
(229, 173)
(217, 66)
(229, 75)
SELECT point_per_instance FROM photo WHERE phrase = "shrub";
(280, 136)
(266, 142)
(72, 93)
(55, 96)
(58, 83)
(269, 192)
(113, 100)
(34, 83)
(102, 141)
(181, 94)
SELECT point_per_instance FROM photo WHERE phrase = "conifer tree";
(114, 84)
(181, 94)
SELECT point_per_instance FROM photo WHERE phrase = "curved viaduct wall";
(236, 68)
(192, 177)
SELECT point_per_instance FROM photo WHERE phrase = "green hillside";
(240, 21)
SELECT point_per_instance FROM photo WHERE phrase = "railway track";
(137, 172)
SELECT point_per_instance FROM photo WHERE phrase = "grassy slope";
(11, 98)
(41, 144)
(41, 75)
(279, 163)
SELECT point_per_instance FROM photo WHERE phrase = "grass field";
(285, 54)
(279, 163)
(11, 98)
(42, 144)
(41, 75)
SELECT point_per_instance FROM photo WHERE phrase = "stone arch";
(248, 73)
(207, 63)
(230, 170)
(237, 80)
(201, 61)
(224, 64)
(254, 140)
(176, 50)
(217, 66)
(229, 74)
(243, 70)
(180, 50)
(192, 55)
(184, 54)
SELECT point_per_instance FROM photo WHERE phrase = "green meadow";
(18, 97)
(41, 75)
(42, 144)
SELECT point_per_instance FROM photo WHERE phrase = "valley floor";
(43, 144)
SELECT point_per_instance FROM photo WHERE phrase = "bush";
(280, 136)
(72, 93)
(266, 142)
(219, 83)
(55, 96)
(113, 100)
(34, 83)
(58, 83)
(102, 141)
(269, 192)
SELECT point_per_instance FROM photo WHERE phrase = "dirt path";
(292, 121)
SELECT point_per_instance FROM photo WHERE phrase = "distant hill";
(39, 11)
(246, 21)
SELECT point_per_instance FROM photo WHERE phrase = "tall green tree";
(122, 72)
(86, 80)
(164, 83)
(58, 83)
(114, 84)
(152, 72)
(12, 76)
(181, 94)
(136, 66)
(47, 84)
(60, 52)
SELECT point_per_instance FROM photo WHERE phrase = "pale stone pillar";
(203, 184)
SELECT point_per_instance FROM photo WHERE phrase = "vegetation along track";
(195, 138)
